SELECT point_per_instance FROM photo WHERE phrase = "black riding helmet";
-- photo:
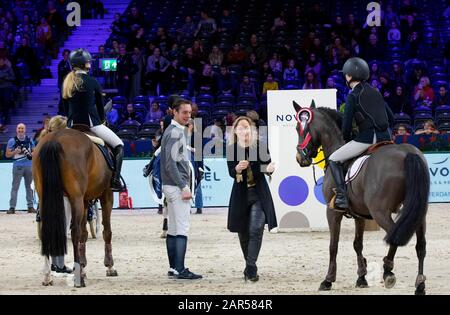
(79, 57)
(357, 68)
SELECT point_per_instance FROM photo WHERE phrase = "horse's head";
(307, 147)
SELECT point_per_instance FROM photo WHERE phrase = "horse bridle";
(306, 149)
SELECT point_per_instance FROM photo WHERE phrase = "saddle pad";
(107, 156)
(354, 169)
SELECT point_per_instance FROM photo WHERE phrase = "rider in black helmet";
(372, 115)
(83, 100)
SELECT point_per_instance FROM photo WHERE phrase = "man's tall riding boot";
(341, 201)
(116, 184)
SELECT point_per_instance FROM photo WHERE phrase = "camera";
(24, 150)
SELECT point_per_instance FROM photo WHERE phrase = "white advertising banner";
(299, 203)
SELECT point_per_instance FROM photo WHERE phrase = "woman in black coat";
(251, 205)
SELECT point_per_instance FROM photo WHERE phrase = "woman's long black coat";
(238, 212)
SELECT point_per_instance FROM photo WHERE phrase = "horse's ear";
(296, 106)
(313, 104)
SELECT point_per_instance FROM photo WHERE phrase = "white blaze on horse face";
(303, 120)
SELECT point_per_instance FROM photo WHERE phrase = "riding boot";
(116, 184)
(341, 201)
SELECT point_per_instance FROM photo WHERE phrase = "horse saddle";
(99, 142)
(356, 166)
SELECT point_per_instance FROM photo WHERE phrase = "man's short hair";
(179, 102)
(172, 99)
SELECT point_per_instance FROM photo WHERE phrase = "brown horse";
(67, 163)
(394, 179)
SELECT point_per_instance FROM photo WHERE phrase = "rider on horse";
(83, 100)
(372, 115)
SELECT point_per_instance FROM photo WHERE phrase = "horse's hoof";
(163, 234)
(389, 280)
(46, 284)
(420, 290)
(362, 282)
(325, 286)
(111, 273)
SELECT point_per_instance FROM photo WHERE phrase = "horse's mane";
(333, 115)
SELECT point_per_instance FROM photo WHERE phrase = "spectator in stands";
(442, 98)
(236, 55)
(331, 84)
(402, 131)
(279, 23)
(290, 73)
(138, 65)
(399, 103)
(57, 24)
(131, 114)
(373, 49)
(276, 65)
(115, 49)
(20, 149)
(317, 49)
(174, 52)
(428, 128)
(135, 17)
(156, 66)
(423, 93)
(412, 46)
(343, 52)
(311, 81)
(390, 16)
(251, 63)
(394, 33)
(206, 27)
(191, 66)
(269, 84)
(397, 73)
(44, 36)
(155, 113)
(227, 22)
(63, 69)
(117, 26)
(313, 65)
(216, 56)
(137, 39)
(187, 31)
(334, 63)
(198, 50)
(206, 81)
(163, 41)
(259, 50)
(375, 71)
(225, 83)
(317, 16)
(247, 87)
(25, 54)
(126, 69)
(265, 70)
(98, 9)
(409, 26)
(375, 84)
(7, 78)
(385, 86)
(173, 77)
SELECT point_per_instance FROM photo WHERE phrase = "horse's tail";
(54, 236)
(415, 204)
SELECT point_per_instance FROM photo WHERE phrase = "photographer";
(20, 150)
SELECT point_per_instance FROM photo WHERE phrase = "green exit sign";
(109, 64)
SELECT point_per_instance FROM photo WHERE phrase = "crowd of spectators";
(193, 60)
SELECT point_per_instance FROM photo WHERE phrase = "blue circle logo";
(293, 190)
(318, 191)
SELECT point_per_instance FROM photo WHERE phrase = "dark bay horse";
(67, 163)
(394, 179)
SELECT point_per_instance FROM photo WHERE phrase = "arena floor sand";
(290, 262)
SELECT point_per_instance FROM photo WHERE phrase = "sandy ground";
(290, 262)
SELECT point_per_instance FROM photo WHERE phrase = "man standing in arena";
(175, 175)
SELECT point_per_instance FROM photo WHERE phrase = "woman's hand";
(241, 166)
(271, 167)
